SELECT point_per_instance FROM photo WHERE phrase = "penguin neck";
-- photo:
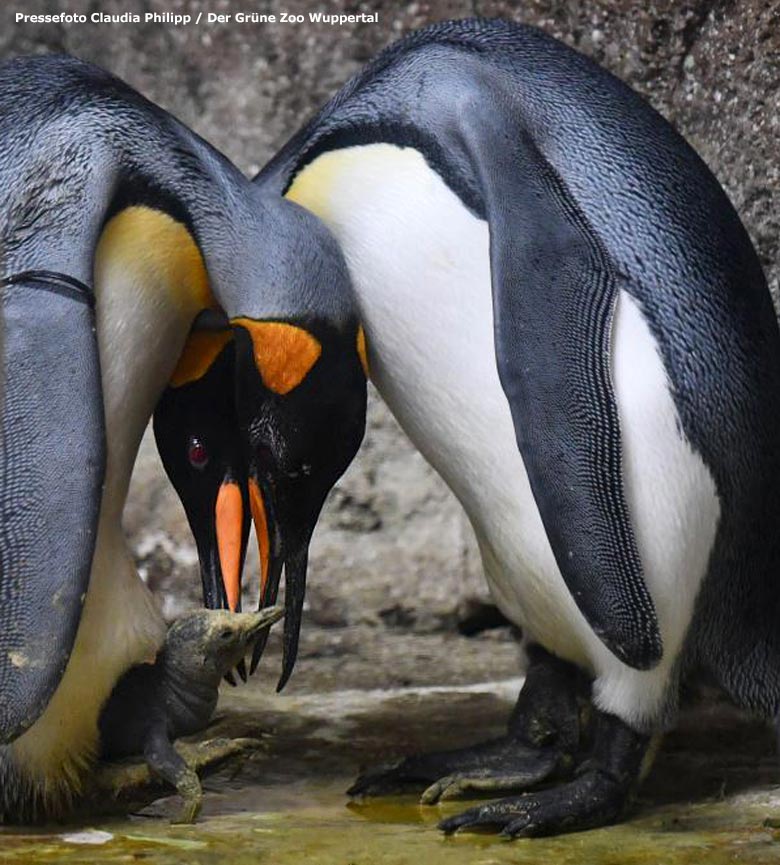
(420, 266)
(150, 283)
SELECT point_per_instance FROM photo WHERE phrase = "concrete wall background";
(393, 546)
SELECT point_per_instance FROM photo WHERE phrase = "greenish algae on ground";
(706, 802)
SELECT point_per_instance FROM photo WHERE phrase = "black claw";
(452, 824)
(493, 814)
(517, 828)
(228, 677)
(241, 669)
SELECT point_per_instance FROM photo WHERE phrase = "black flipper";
(52, 460)
(554, 294)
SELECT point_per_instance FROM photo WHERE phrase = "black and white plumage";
(118, 226)
(567, 317)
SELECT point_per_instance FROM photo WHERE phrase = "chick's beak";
(263, 619)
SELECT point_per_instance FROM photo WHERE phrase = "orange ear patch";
(284, 353)
(200, 351)
(362, 351)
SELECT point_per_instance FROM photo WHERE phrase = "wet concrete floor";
(282, 800)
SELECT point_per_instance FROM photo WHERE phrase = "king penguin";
(118, 227)
(565, 314)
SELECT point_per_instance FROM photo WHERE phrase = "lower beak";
(232, 530)
(276, 552)
(270, 549)
(272, 590)
(262, 517)
(294, 592)
(295, 566)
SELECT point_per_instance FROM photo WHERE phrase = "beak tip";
(287, 669)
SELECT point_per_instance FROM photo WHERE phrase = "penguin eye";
(197, 453)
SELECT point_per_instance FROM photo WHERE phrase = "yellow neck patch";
(200, 351)
(161, 250)
(284, 353)
(362, 350)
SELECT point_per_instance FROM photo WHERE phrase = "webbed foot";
(597, 796)
(502, 764)
(208, 755)
(188, 787)
(590, 800)
(180, 768)
(132, 784)
(521, 769)
(542, 744)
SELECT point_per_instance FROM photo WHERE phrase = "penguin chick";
(153, 704)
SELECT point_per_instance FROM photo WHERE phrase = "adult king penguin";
(116, 225)
(568, 319)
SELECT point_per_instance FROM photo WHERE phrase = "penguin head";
(301, 407)
(196, 431)
(204, 645)
(300, 389)
(266, 423)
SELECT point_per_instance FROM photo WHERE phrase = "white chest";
(420, 267)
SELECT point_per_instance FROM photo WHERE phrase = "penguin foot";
(542, 744)
(119, 787)
(501, 764)
(531, 769)
(596, 796)
(590, 800)
(188, 787)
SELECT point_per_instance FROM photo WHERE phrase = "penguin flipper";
(52, 462)
(554, 294)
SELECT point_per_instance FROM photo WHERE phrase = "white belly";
(420, 265)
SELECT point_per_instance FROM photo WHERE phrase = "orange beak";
(229, 519)
(263, 537)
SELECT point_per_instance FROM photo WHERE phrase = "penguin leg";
(597, 795)
(163, 758)
(541, 743)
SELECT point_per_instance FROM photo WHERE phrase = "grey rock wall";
(393, 546)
